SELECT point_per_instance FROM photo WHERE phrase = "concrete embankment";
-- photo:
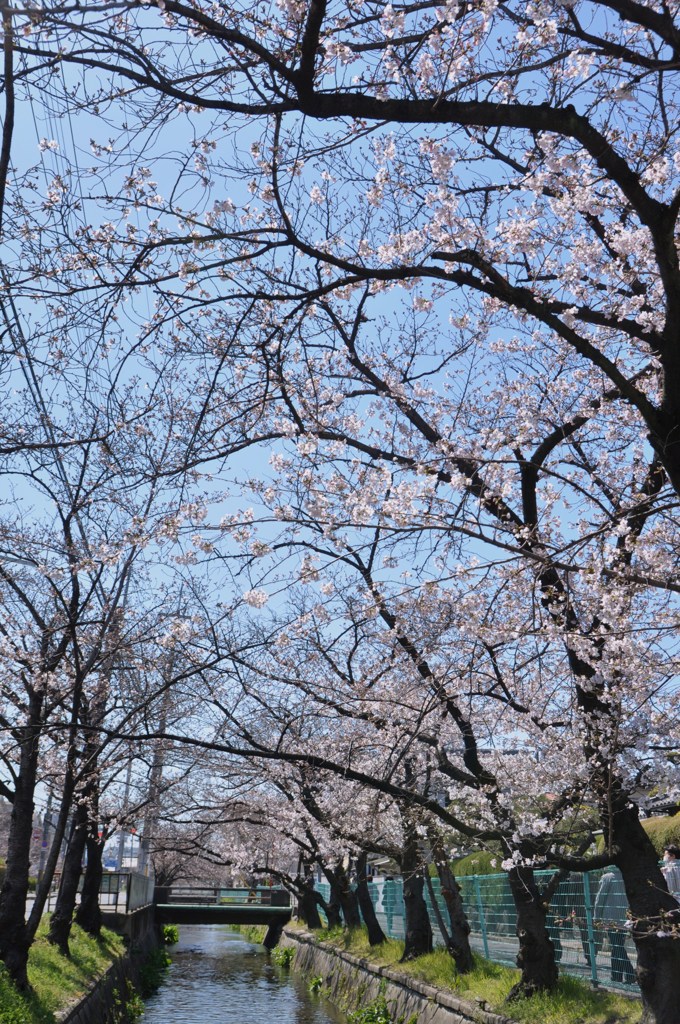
(351, 982)
(105, 1000)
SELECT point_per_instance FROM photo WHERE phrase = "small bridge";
(203, 905)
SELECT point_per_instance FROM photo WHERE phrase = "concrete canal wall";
(351, 982)
(104, 1002)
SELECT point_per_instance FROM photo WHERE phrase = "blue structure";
(586, 946)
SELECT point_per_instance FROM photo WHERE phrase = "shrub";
(152, 971)
(283, 955)
(375, 1013)
(134, 1005)
(170, 934)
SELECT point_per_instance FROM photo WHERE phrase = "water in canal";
(216, 977)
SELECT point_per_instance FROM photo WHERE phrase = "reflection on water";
(218, 978)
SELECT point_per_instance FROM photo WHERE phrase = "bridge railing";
(201, 895)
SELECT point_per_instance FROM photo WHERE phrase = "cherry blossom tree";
(375, 698)
(497, 173)
(78, 526)
(337, 503)
(510, 428)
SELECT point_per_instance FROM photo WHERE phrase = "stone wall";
(104, 1002)
(351, 982)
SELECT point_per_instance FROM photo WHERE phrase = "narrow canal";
(216, 977)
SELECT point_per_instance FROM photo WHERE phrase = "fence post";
(482, 919)
(589, 923)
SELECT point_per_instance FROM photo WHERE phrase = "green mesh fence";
(586, 921)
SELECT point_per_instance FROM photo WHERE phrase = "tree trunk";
(60, 923)
(88, 914)
(653, 911)
(14, 936)
(376, 935)
(350, 907)
(347, 897)
(417, 928)
(459, 927)
(43, 886)
(443, 930)
(333, 907)
(308, 905)
(536, 957)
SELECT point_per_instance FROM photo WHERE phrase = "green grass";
(572, 1003)
(251, 932)
(57, 982)
(481, 862)
(662, 831)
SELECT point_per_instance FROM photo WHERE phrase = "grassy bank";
(572, 1003)
(251, 932)
(57, 982)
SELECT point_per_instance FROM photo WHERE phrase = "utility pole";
(44, 842)
(126, 801)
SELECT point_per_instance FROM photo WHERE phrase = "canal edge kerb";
(105, 999)
(101, 1001)
(448, 1001)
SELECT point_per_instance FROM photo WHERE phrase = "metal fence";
(586, 921)
(120, 892)
(140, 891)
